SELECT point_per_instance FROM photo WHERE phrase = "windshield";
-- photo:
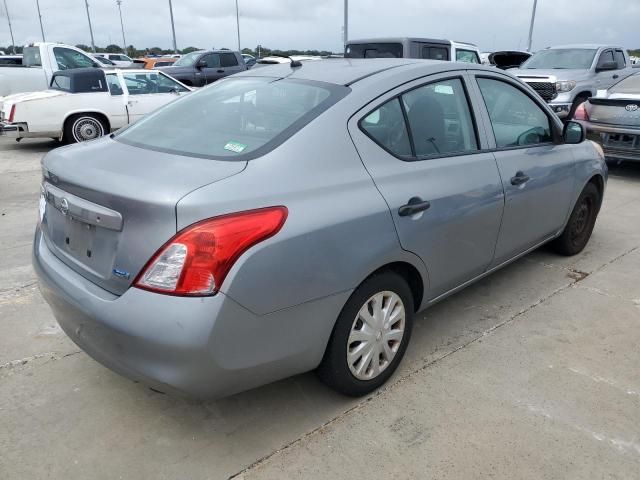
(374, 50)
(561, 58)
(233, 117)
(187, 60)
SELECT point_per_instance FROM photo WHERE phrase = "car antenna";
(293, 64)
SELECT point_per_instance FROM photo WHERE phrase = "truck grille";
(546, 90)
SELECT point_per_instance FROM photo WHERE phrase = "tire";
(365, 371)
(576, 103)
(83, 127)
(578, 230)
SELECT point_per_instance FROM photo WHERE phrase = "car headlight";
(565, 86)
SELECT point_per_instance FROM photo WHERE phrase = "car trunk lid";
(108, 207)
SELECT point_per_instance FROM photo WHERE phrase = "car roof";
(347, 71)
(586, 46)
(399, 40)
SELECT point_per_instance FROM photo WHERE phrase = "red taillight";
(12, 113)
(581, 112)
(197, 260)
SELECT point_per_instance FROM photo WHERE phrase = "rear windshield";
(373, 50)
(561, 58)
(239, 118)
(628, 85)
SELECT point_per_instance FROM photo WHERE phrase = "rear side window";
(439, 122)
(235, 118)
(374, 50)
(228, 60)
(516, 119)
(467, 56)
(386, 126)
(435, 53)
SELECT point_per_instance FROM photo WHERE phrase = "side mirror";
(573, 133)
(201, 64)
(605, 66)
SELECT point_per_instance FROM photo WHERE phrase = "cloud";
(306, 24)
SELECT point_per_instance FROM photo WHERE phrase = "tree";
(189, 50)
(86, 48)
(113, 49)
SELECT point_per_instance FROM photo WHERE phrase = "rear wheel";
(83, 127)
(370, 336)
(578, 230)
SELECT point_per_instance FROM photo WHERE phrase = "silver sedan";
(296, 217)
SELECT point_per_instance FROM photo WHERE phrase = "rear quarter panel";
(339, 229)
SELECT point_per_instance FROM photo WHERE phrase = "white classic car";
(86, 103)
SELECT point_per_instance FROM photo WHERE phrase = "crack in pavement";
(24, 361)
(19, 287)
(580, 276)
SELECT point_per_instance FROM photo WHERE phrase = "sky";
(317, 24)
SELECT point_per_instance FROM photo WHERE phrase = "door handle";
(519, 179)
(616, 76)
(415, 205)
(220, 71)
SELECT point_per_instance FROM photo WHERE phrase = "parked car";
(39, 62)
(84, 104)
(295, 219)
(203, 67)
(565, 76)
(104, 62)
(505, 59)
(404, 47)
(151, 63)
(121, 60)
(612, 118)
(10, 60)
(275, 59)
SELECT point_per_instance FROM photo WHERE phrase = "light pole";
(345, 31)
(93, 43)
(238, 25)
(40, 18)
(124, 41)
(533, 20)
(173, 28)
(13, 42)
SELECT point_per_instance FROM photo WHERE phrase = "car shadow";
(626, 170)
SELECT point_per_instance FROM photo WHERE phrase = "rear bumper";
(198, 347)
(12, 130)
(599, 132)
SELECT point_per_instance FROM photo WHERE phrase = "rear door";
(537, 174)
(420, 145)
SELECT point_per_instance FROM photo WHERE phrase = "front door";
(147, 92)
(424, 154)
(537, 174)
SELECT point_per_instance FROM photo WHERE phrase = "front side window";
(620, 60)
(211, 61)
(516, 119)
(467, 56)
(233, 117)
(114, 85)
(149, 83)
(606, 57)
(386, 126)
(67, 59)
(228, 60)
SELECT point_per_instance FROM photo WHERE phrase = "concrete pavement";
(526, 374)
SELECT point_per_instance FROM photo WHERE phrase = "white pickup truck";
(39, 62)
